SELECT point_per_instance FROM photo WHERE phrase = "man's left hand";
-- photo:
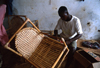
(68, 41)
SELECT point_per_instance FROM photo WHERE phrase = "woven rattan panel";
(27, 41)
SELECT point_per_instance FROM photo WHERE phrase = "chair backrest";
(27, 40)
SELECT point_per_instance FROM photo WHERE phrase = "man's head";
(63, 13)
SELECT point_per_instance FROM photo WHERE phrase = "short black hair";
(61, 10)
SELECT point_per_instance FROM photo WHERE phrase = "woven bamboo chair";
(37, 48)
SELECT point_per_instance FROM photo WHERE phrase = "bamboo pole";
(66, 52)
(17, 31)
(64, 43)
(34, 25)
(63, 58)
(58, 58)
(12, 50)
(61, 54)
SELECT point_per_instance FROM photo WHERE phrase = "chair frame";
(28, 20)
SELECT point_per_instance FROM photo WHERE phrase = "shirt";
(69, 28)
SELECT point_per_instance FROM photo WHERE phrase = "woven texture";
(46, 53)
(37, 48)
(27, 41)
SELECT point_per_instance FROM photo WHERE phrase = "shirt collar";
(68, 21)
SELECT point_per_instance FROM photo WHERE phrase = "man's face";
(64, 16)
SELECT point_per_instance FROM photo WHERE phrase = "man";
(71, 31)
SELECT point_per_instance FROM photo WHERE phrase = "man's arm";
(79, 31)
(55, 32)
(73, 39)
(56, 35)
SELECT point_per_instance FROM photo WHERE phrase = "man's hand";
(68, 41)
(73, 39)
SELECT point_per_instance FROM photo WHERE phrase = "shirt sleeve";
(78, 27)
(58, 25)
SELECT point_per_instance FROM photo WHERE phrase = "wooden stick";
(58, 58)
(64, 42)
(63, 58)
(18, 31)
(34, 25)
(6, 46)
(37, 23)
(66, 52)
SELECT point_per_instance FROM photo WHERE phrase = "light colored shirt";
(69, 28)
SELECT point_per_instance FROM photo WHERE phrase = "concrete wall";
(45, 11)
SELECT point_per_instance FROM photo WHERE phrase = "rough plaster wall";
(90, 17)
(46, 13)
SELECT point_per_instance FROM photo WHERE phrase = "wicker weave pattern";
(27, 41)
(37, 48)
(46, 53)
